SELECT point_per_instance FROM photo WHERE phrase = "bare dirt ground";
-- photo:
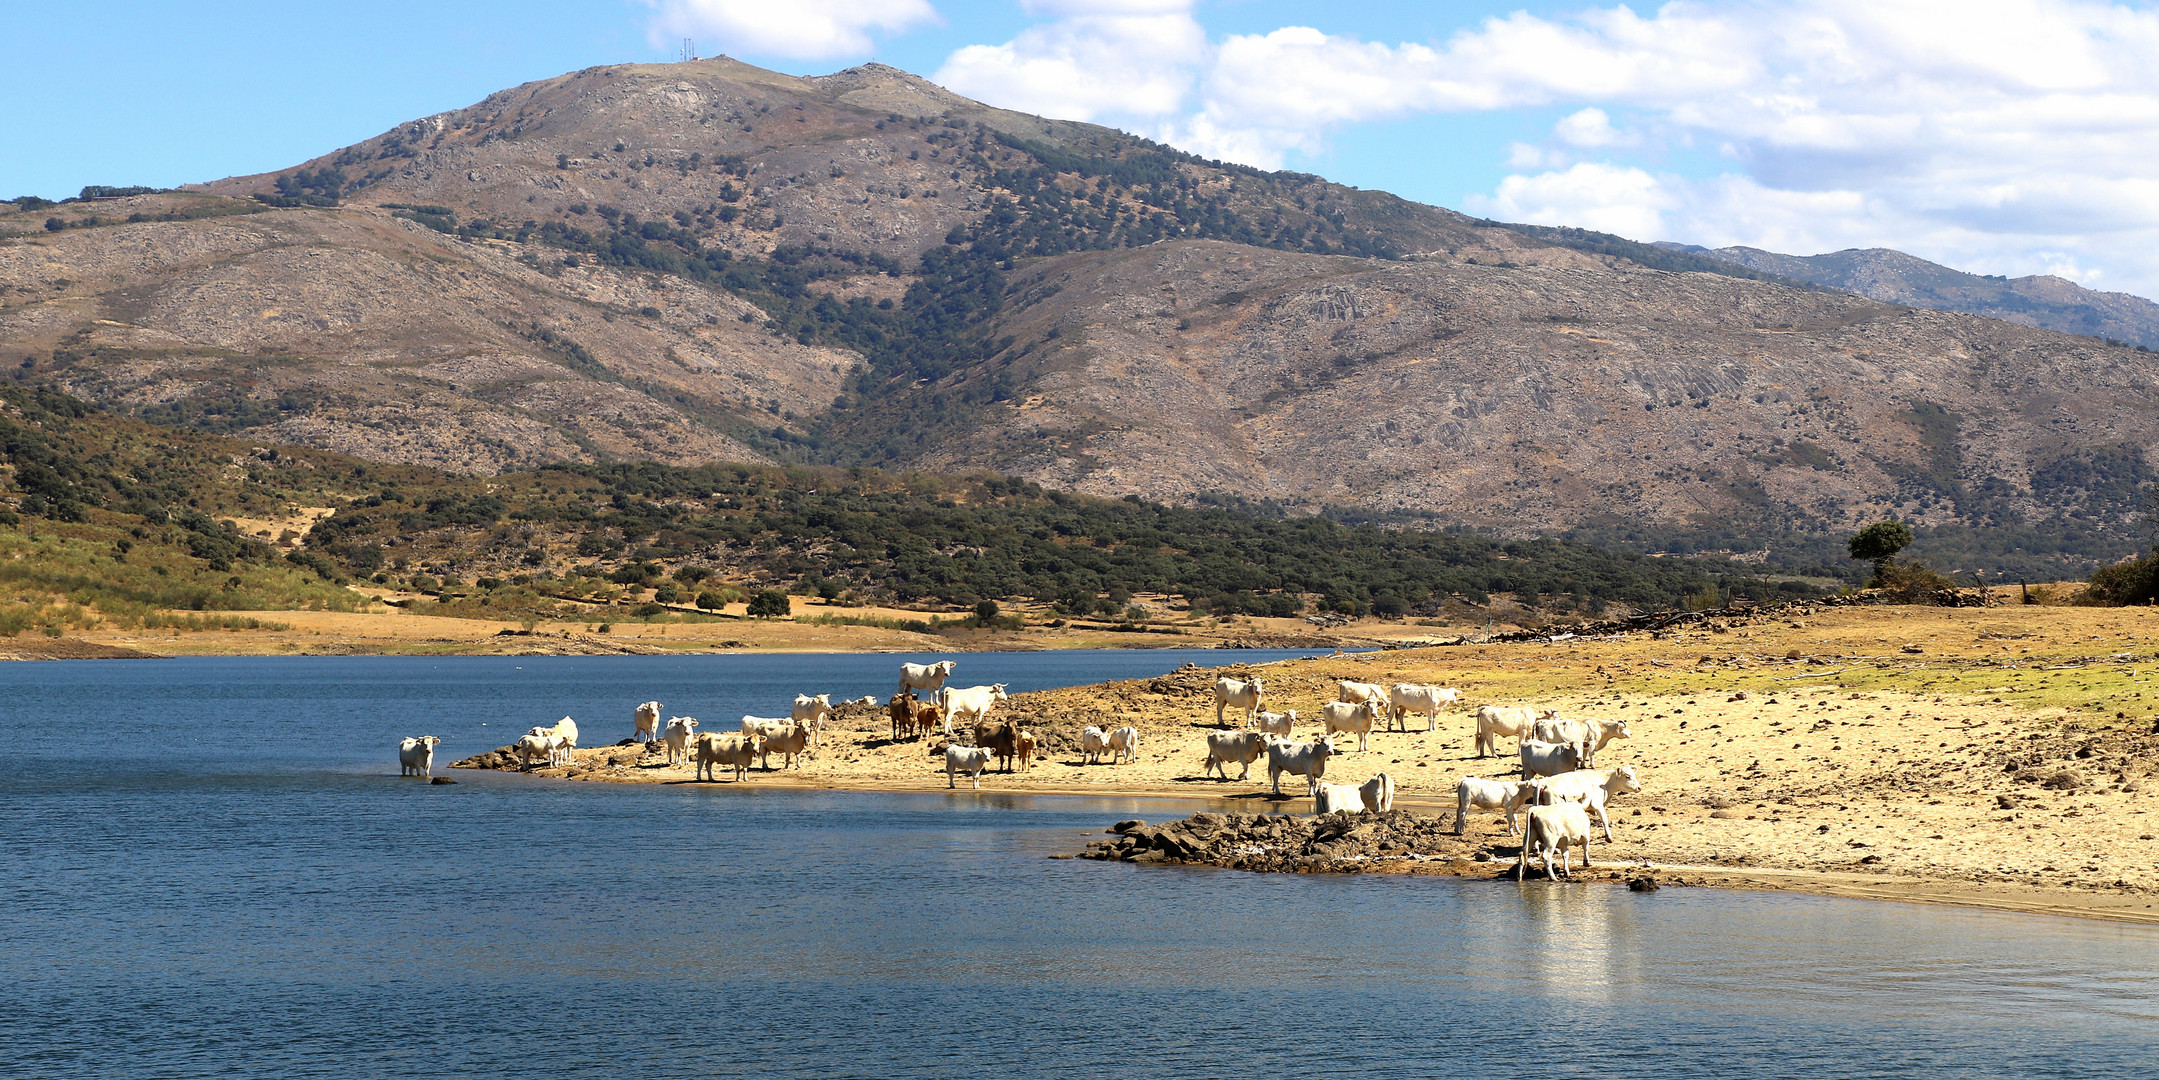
(2000, 757)
(393, 630)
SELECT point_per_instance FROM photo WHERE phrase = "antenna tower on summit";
(689, 48)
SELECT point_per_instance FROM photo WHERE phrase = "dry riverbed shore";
(1992, 756)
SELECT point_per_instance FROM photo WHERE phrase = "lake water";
(211, 868)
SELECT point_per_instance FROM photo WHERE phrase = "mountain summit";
(706, 260)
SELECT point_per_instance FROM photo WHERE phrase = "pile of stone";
(1340, 843)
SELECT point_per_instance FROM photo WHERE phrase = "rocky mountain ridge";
(708, 261)
(1893, 277)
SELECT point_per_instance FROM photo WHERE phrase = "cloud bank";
(1997, 135)
(795, 29)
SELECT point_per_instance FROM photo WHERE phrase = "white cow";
(1343, 716)
(764, 727)
(1278, 724)
(1353, 692)
(416, 757)
(538, 743)
(965, 759)
(1406, 698)
(1549, 759)
(648, 722)
(789, 741)
(1124, 745)
(1559, 828)
(925, 677)
(1242, 747)
(565, 733)
(680, 730)
(1591, 734)
(737, 752)
(1592, 789)
(1506, 796)
(1237, 694)
(1330, 798)
(1094, 742)
(1378, 793)
(1308, 760)
(973, 703)
(1493, 722)
(811, 712)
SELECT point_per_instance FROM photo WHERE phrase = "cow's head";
(1619, 731)
(944, 667)
(1626, 779)
(997, 692)
(428, 741)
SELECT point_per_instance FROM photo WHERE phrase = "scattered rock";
(440, 780)
(1642, 884)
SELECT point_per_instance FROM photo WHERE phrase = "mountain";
(706, 261)
(1893, 277)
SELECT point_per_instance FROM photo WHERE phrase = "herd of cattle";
(1556, 791)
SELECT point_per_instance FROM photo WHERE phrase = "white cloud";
(798, 29)
(2015, 134)
(1118, 60)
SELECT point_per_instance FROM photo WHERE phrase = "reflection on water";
(266, 897)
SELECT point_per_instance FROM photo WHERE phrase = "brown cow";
(1000, 738)
(1025, 747)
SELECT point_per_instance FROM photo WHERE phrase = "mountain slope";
(1893, 277)
(708, 261)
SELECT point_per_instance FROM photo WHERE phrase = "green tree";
(986, 612)
(1879, 543)
(770, 604)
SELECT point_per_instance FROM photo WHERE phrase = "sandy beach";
(1998, 757)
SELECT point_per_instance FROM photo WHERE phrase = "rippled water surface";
(210, 867)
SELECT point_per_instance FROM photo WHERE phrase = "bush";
(2133, 582)
(770, 604)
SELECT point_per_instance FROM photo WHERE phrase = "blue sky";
(2002, 136)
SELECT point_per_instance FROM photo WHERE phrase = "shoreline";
(2134, 908)
(2000, 757)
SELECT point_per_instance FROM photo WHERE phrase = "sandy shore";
(1997, 757)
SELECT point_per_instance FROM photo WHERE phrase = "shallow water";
(211, 868)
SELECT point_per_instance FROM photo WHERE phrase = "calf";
(1549, 759)
(1407, 698)
(680, 730)
(1333, 798)
(1506, 796)
(538, 743)
(1593, 790)
(1242, 747)
(1342, 716)
(1124, 745)
(1094, 742)
(647, 721)
(1377, 793)
(902, 708)
(1493, 722)
(1236, 694)
(1590, 734)
(737, 752)
(1547, 829)
(1308, 760)
(1023, 748)
(416, 757)
(789, 742)
(1279, 724)
(965, 759)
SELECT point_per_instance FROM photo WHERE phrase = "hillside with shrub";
(118, 519)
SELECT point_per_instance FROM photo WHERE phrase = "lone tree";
(986, 612)
(770, 603)
(1879, 543)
